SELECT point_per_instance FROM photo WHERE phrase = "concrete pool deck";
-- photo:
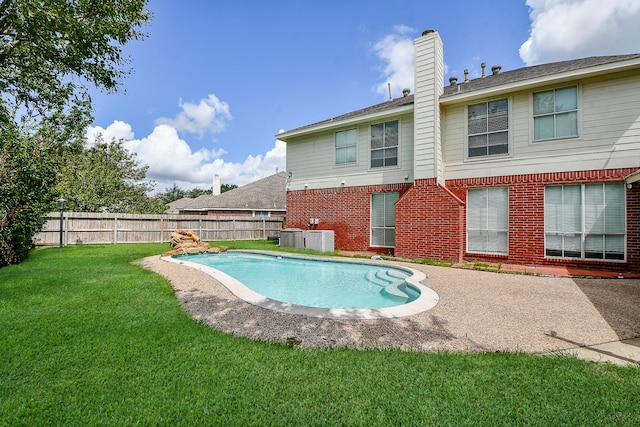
(476, 311)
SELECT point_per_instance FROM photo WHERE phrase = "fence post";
(115, 229)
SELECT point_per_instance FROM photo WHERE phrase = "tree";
(175, 193)
(51, 53)
(106, 177)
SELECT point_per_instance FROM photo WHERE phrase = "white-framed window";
(585, 221)
(555, 113)
(488, 128)
(383, 219)
(384, 144)
(346, 146)
(488, 220)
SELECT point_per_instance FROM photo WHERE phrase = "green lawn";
(89, 338)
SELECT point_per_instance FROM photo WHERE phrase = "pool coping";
(427, 300)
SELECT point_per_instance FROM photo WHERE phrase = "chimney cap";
(429, 31)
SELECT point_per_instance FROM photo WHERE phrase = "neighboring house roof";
(478, 84)
(176, 205)
(266, 194)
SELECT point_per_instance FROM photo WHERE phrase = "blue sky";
(215, 81)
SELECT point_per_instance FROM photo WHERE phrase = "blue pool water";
(315, 283)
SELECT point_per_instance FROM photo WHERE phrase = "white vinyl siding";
(555, 113)
(346, 146)
(384, 144)
(488, 220)
(608, 135)
(585, 221)
(383, 219)
(488, 128)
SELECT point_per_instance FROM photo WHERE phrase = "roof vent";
(453, 80)
(483, 65)
(496, 69)
(466, 76)
(406, 92)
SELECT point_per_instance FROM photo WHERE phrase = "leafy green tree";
(106, 177)
(51, 53)
(175, 193)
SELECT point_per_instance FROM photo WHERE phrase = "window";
(346, 146)
(488, 128)
(555, 113)
(585, 221)
(261, 213)
(383, 219)
(384, 144)
(488, 220)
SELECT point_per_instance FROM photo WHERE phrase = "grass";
(89, 338)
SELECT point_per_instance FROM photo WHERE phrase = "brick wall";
(429, 223)
(431, 220)
(344, 210)
(633, 227)
(526, 215)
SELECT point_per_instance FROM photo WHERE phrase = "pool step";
(400, 290)
(384, 277)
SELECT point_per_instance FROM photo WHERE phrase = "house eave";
(634, 177)
(332, 124)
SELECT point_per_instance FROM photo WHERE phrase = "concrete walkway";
(547, 312)
(624, 353)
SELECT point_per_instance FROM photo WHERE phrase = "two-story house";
(538, 165)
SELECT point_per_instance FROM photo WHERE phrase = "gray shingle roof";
(265, 194)
(532, 72)
(502, 78)
(378, 108)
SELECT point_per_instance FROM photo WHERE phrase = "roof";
(363, 112)
(532, 72)
(266, 194)
(176, 205)
(478, 84)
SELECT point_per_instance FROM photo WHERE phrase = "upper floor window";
(346, 146)
(261, 213)
(555, 113)
(488, 128)
(384, 144)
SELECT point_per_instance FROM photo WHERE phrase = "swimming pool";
(318, 287)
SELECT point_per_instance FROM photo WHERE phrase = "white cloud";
(117, 130)
(569, 29)
(171, 159)
(396, 52)
(209, 115)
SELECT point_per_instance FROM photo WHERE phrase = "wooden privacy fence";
(99, 228)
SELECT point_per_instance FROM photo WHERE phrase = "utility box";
(291, 238)
(320, 240)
